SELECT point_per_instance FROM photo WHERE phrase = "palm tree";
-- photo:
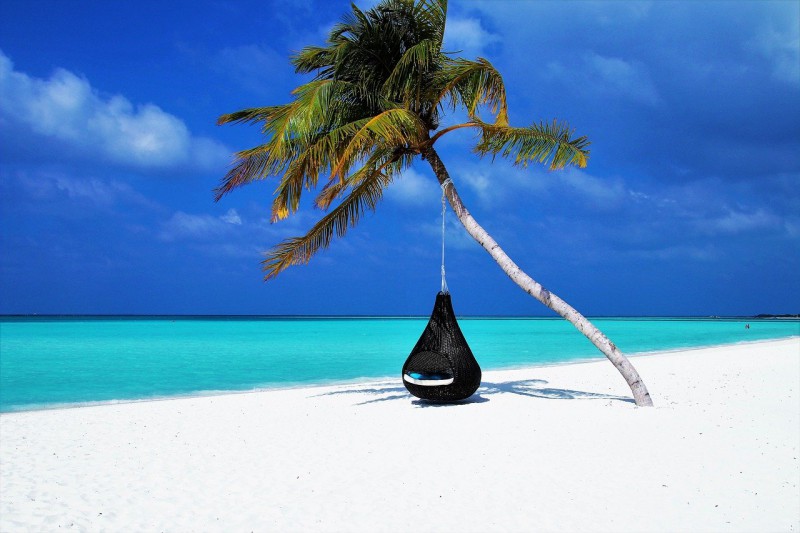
(380, 87)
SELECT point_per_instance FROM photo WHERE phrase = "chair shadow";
(532, 388)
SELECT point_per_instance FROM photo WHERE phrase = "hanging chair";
(441, 367)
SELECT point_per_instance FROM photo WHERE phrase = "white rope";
(446, 182)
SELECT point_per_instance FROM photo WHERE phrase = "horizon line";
(359, 316)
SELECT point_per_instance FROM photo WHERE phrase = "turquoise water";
(46, 362)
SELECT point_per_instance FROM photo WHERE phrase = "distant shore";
(550, 448)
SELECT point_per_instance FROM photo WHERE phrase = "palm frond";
(410, 71)
(474, 83)
(299, 250)
(311, 108)
(337, 150)
(433, 14)
(391, 128)
(319, 153)
(302, 139)
(538, 143)
(383, 160)
(290, 188)
(255, 114)
(312, 58)
(249, 165)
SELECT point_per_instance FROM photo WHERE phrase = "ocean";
(66, 361)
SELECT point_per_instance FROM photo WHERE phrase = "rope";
(446, 182)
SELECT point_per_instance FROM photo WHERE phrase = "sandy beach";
(559, 448)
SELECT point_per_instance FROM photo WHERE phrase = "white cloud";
(781, 49)
(734, 222)
(622, 75)
(617, 13)
(607, 77)
(456, 237)
(199, 227)
(232, 217)
(87, 191)
(412, 188)
(490, 183)
(468, 36)
(231, 228)
(668, 253)
(497, 183)
(66, 108)
(233, 235)
(601, 192)
(480, 183)
(792, 227)
(101, 193)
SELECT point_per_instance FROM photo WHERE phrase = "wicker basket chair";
(441, 367)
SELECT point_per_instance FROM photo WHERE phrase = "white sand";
(542, 449)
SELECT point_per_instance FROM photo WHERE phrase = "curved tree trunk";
(529, 285)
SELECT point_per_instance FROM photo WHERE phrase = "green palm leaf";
(299, 250)
(255, 114)
(538, 143)
(381, 161)
(393, 127)
(474, 83)
(407, 79)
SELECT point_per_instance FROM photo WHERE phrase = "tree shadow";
(532, 388)
(387, 393)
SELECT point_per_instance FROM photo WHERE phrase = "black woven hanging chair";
(441, 367)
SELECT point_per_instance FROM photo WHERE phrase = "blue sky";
(690, 205)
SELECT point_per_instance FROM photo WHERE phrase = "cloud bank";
(468, 36)
(67, 110)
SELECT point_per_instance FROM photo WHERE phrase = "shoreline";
(558, 448)
(362, 381)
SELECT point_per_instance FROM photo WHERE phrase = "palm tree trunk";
(529, 285)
